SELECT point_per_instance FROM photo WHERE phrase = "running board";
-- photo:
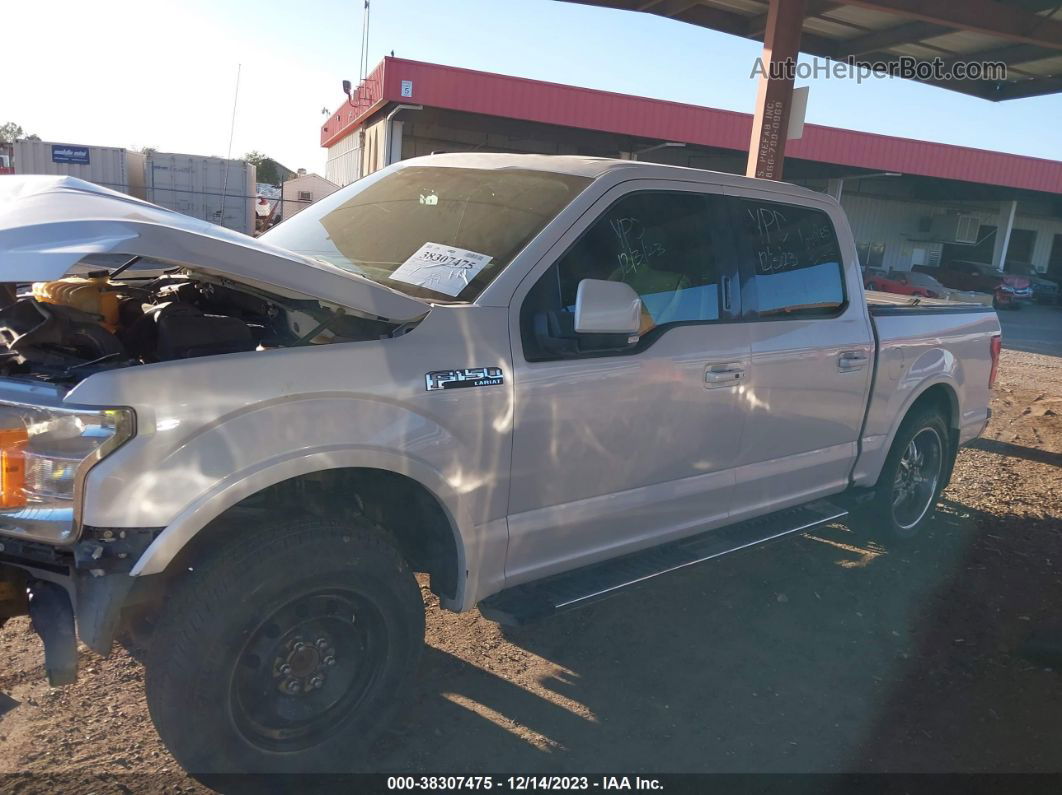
(523, 604)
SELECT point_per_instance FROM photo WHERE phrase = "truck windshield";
(430, 232)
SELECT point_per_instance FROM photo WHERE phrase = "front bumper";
(77, 591)
(1008, 297)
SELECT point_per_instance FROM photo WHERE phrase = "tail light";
(997, 345)
(12, 467)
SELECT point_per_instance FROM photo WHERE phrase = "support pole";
(774, 97)
(999, 253)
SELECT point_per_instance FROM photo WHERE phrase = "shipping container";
(209, 188)
(104, 165)
(134, 165)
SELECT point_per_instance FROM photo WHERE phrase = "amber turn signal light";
(12, 467)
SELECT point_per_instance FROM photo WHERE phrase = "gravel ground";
(824, 653)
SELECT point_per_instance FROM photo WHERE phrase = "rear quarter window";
(795, 263)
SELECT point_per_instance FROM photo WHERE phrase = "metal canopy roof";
(1026, 35)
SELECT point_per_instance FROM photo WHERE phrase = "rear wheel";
(912, 478)
(286, 651)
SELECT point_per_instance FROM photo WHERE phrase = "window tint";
(797, 267)
(658, 243)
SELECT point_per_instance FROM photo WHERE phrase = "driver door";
(620, 448)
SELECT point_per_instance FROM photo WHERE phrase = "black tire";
(905, 497)
(285, 650)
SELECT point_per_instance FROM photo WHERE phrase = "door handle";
(727, 374)
(851, 361)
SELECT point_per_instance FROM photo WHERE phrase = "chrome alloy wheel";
(917, 477)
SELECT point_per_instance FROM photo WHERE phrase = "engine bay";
(65, 330)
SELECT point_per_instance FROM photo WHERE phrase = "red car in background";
(1007, 289)
(906, 283)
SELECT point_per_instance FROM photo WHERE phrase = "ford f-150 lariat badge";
(471, 376)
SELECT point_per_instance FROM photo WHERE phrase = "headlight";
(45, 453)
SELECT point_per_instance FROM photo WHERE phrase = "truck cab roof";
(597, 167)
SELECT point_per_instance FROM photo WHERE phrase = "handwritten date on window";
(783, 244)
(635, 251)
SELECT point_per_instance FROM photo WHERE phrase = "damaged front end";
(65, 330)
(92, 281)
(89, 579)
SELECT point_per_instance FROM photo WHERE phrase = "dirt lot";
(821, 653)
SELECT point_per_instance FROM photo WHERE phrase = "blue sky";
(161, 72)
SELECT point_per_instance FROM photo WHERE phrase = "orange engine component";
(12, 467)
(92, 294)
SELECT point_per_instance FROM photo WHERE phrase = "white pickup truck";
(535, 380)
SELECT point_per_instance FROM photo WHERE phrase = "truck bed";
(920, 340)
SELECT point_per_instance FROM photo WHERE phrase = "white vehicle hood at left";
(48, 224)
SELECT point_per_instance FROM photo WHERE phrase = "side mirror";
(604, 307)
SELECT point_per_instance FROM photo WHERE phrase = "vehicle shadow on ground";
(821, 653)
(1017, 451)
(982, 692)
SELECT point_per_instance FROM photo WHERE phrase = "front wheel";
(912, 478)
(286, 650)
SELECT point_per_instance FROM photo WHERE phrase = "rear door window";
(795, 265)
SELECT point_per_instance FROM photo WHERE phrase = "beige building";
(302, 191)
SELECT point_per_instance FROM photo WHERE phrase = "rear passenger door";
(811, 352)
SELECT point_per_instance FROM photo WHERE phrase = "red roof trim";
(454, 88)
(368, 98)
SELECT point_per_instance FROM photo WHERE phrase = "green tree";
(11, 132)
(266, 168)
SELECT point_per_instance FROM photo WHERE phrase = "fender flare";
(242, 484)
(916, 395)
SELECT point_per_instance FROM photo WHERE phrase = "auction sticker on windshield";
(445, 269)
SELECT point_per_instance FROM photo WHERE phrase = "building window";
(305, 196)
(871, 255)
(1020, 247)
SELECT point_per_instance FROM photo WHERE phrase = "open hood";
(49, 224)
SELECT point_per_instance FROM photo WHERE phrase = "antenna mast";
(363, 67)
(235, 101)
